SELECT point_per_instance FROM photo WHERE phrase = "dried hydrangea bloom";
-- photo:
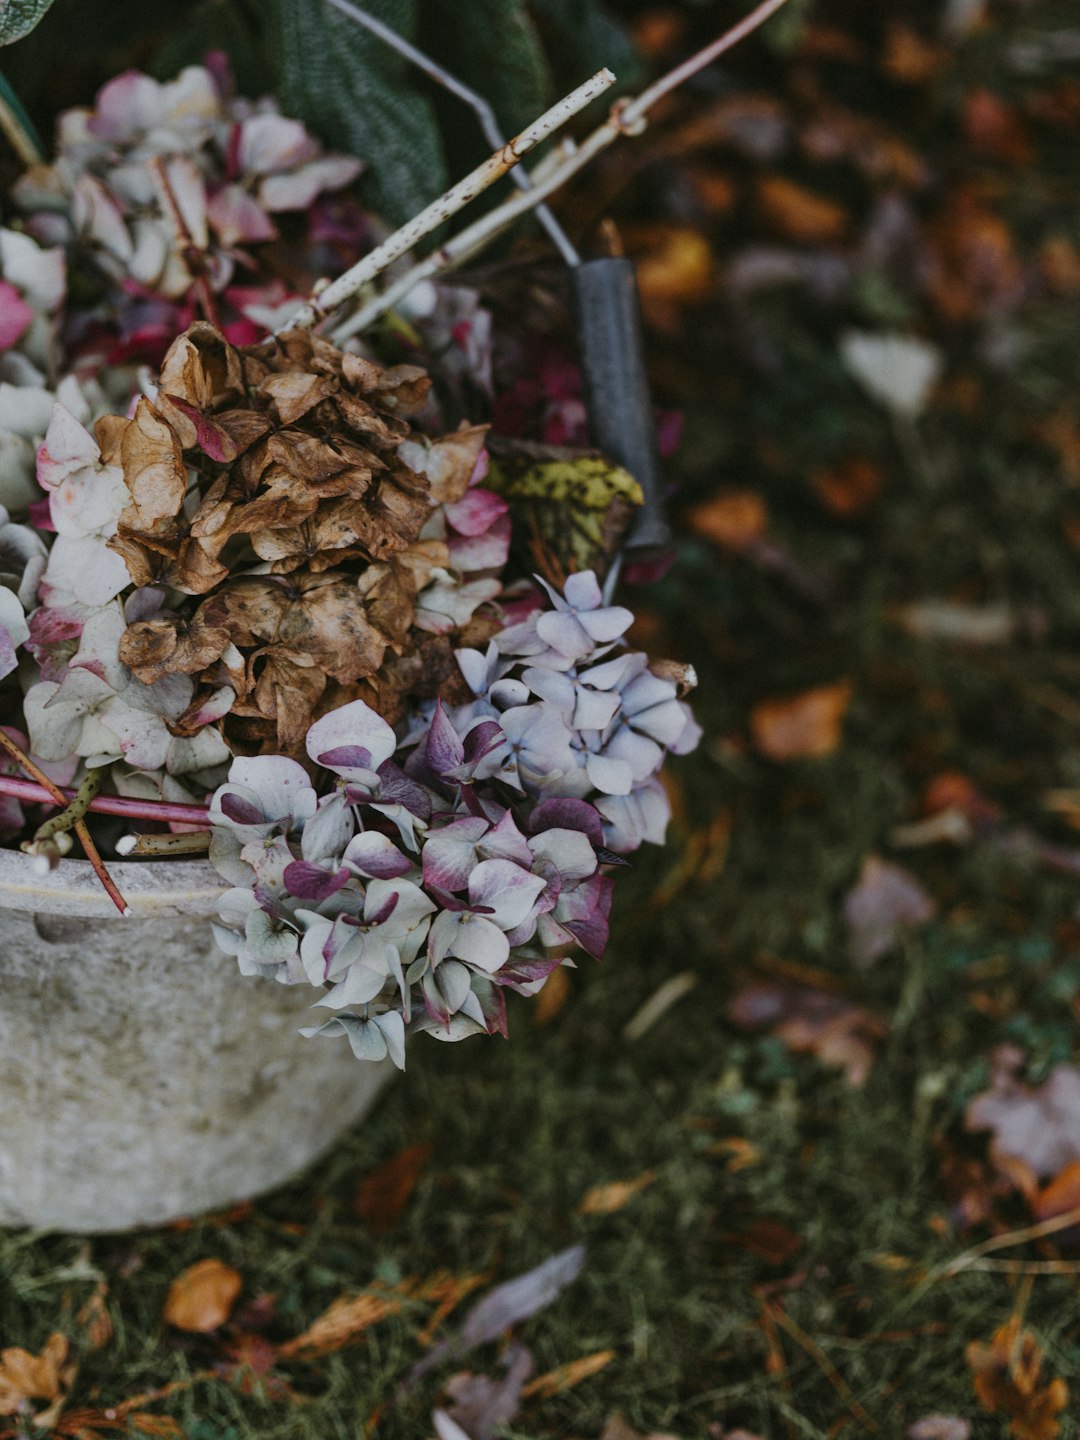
(270, 484)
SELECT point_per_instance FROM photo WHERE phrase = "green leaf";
(584, 36)
(493, 46)
(18, 18)
(359, 96)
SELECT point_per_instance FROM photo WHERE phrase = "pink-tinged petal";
(585, 913)
(68, 447)
(506, 842)
(238, 218)
(214, 706)
(16, 316)
(355, 724)
(476, 512)
(479, 942)
(509, 891)
(526, 976)
(376, 856)
(181, 188)
(443, 749)
(482, 552)
(311, 882)
(214, 440)
(603, 626)
(297, 190)
(582, 590)
(558, 814)
(270, 142)
(608, 775)
(97, 217)
(570, 852)
(124, 106)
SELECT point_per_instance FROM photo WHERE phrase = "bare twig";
(455, 199)
(52, 839)
(626, 118)
(55, 793)
(1064, 1221)
(476, 102)
(17, 129)
(190, 842)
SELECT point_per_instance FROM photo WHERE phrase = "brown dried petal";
(202, 368)
(153, 468)
(287, 693)
(449, 461)
(294, 393)
(153, 648)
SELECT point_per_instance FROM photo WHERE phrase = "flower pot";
(142, 1078)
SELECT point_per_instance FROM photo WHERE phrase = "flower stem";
(57, 795)
(76, 808)
(164, 810)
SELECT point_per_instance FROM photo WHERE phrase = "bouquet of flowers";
(258, 596)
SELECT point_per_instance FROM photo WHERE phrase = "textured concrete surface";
(141, 1076)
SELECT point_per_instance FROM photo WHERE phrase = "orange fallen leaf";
(996, 128)
(1060, 1196)
(1059, 261)
(161, 1426)
(566, 1376)
(95, 1319)
(25, 1377)
(799, 213)
(741, 1153)
(734, 519)
(848, 489)
(805, 726)
(342, 1321)
(1006, 1373)
(552, 997)
(839, 1033)
(606, 1199)
(674, 264)
(200, 1299)
(909, 58)
(384, 1194)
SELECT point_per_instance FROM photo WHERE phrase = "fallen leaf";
(95, 1319)
(770, 1240)
(551, 999)
(508, 1305)
(848, 489)
(880, 906)
(674, 264)
(606, 1199)
(384, 1194)
(995, 128)
(1038, 1125)
(342, 1321)
(25, 1377)
(798, 213)
(734, 519)
(741, 1153)
(1006, 1374)
(565, 1377)
(658, 1004)
(201, 1298)
(1060, 1196)
(483, 1407)
(939, 1427)
(839, 1033)
(618, 1429)
(161, 1426)
(805, 726)
(960, 624)
(898, 371)
(909, 58)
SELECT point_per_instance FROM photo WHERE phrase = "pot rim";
(152, 888)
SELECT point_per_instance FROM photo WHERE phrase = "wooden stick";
(455, 199)
(626, 118)
(23, 760)
(191, 842)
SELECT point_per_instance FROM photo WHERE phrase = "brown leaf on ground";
(95, 1319)
(805, 726)
(1038, 1125)
(25, 1377)
(552, 998)
(881, 905)
(798, 213)
(1006, 1374)
(840, 1034)
(770, 1240)
(565, 1377)
(734, 519)
(1061, 1196)
(606, 1199)
(201, 1298)
(849, 489)
(384, 1194)
(348, 1317)
(674, 264)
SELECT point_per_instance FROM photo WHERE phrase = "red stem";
(163, 810)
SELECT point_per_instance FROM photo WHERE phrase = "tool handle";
(617, 387)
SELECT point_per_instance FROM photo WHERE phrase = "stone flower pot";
(142, 1078)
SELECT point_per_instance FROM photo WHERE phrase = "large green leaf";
(18, 18)
(493, 46)
(359, 96)
(583, 36)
